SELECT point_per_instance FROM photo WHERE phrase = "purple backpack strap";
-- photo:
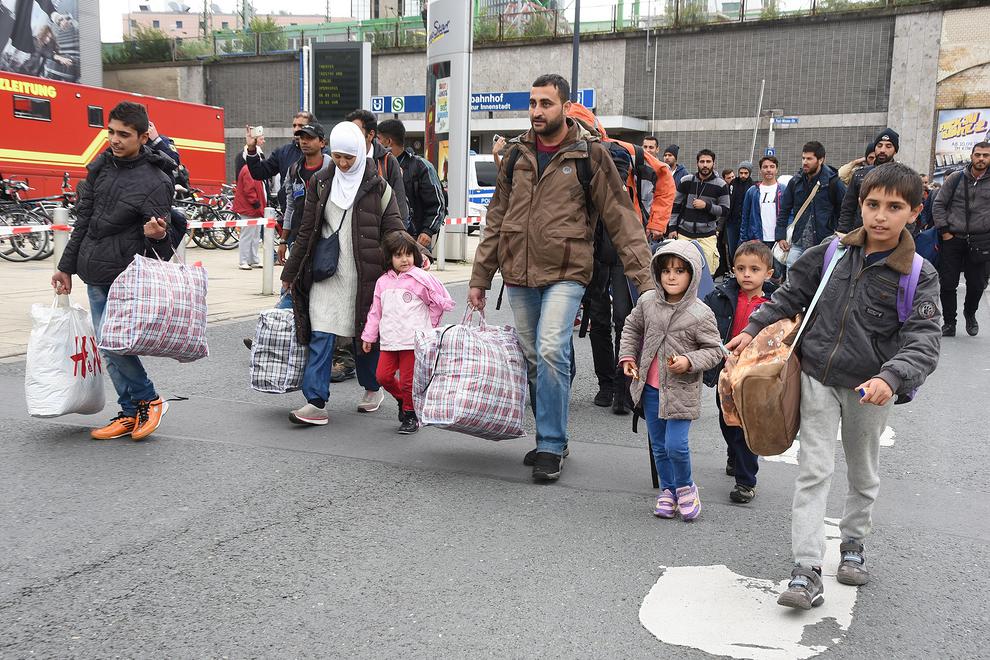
(906, 288)
(833, 245)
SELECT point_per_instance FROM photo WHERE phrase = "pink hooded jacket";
(403, 304)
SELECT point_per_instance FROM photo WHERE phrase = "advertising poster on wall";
(437, 128)
(955, 135)
(40, 38)
(443, 105)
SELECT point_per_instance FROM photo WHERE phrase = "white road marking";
(715, 610)
(887, 439)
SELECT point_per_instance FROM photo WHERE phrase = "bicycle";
(15, 212)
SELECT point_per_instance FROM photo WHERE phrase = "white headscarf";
(347, 138)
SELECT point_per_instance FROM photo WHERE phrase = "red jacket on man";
(249, 195)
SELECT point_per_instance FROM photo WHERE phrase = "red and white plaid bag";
(471, 378)
(157, 308)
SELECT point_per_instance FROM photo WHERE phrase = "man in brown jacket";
(540, 234)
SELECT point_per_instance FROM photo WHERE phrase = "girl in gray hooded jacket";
(669, 340)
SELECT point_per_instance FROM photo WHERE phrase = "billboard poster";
(437, 128)
(443, 105)
(40, 38)
(955, 135)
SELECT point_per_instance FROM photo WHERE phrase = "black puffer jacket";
(116, 199)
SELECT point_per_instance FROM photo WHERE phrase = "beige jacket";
(539, 232)
(657, 328)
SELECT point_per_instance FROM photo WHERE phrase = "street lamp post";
(575, 49)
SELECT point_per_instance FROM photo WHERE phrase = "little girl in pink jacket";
(407, 299)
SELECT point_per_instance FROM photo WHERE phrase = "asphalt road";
(232, 533)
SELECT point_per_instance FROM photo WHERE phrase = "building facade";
(193, 24)
(839, 79)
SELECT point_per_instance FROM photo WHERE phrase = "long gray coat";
(657, 328)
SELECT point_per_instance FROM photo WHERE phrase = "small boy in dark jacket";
(856, 356)
(733, 301)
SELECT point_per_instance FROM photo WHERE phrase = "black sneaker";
(742, 494)
(604, 398)
(547, 466)
(530, 457)
(972, 327)
(730, 466)
(619, 406)
(852, 568)
(949, 330)
(804, 591)
(410, 424)
(248, 342)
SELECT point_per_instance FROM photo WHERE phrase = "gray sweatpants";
(822, 408)
(248, 245)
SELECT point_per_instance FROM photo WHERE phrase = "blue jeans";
(794, 254)
(126, 371)
(669, 442)
(545, 323)
(319, 363)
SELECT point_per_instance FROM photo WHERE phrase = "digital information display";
(337, 79)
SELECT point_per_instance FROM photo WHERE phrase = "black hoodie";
(737, 194)
(115, 200)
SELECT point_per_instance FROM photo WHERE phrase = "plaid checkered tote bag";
(471, 378)
(277, 359)
(157, 308)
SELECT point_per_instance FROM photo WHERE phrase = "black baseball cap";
(312, 130)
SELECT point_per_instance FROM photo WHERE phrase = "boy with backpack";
(734, 301)
(857, 355)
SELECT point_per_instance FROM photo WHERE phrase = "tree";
(143, 45)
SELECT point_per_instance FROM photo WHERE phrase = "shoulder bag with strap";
(326, 255)
(780, 254)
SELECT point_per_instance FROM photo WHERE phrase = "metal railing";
(604, 16)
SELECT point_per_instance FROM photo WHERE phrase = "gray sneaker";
(371, 401)
(852, 569)
(804, 591)
(309, 414)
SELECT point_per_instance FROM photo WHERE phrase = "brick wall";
(811, 67)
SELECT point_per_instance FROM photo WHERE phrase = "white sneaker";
(309, 414)
(371, 401)
(245, 267)
(257, 266)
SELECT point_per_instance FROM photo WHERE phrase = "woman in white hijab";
(351, 202)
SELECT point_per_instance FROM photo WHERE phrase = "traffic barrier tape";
(31, 229)
(214, 224)
(208, 224)
(470, 220)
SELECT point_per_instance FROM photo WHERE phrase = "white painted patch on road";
(713, 609)
(790, 456)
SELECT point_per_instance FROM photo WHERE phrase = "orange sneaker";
(149, 417)
(118, 427)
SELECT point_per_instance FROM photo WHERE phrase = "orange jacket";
(663, 191)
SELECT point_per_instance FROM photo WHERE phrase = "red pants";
(401, 388)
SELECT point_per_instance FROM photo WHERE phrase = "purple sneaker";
(666, 506)
(688, 502)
